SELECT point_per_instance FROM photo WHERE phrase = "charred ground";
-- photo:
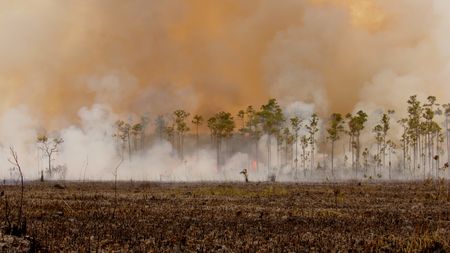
(254, 217)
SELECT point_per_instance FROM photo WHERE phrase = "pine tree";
(197, 120)
(356, 125)
(313, 128)
(296, 125)
(222, 126)
(335, 129)
(272, 119)
(182, 128)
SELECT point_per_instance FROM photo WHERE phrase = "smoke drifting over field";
(76, 67)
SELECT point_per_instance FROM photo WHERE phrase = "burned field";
(234, 217)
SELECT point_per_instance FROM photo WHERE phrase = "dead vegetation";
(251, 217)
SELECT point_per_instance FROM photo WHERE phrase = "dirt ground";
(235, 217)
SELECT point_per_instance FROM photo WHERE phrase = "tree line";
(297, 140)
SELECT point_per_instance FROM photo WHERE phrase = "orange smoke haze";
(147, 56)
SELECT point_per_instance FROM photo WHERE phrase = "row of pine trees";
(421, 150)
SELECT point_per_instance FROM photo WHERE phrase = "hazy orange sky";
(147, 56)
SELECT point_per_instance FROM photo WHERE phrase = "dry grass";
(151, 217)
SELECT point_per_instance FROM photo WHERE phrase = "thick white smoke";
(91, 152)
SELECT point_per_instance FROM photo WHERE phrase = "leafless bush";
(20, 227)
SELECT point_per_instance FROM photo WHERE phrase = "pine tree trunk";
(447, 132)
(390, 151)
(304, 161)
(353, 153)
(129, 147)
(278, 155)
(357, 155)
(269, 143)
(296, 154)
(437, 154)
(256, 154)
(286, 154)
(182, 146)
(218, 153)
(197, 142)
(384, 152)
(312, 155)
(50, 165)
(404, 154)
(332, 158)
(378, 158)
